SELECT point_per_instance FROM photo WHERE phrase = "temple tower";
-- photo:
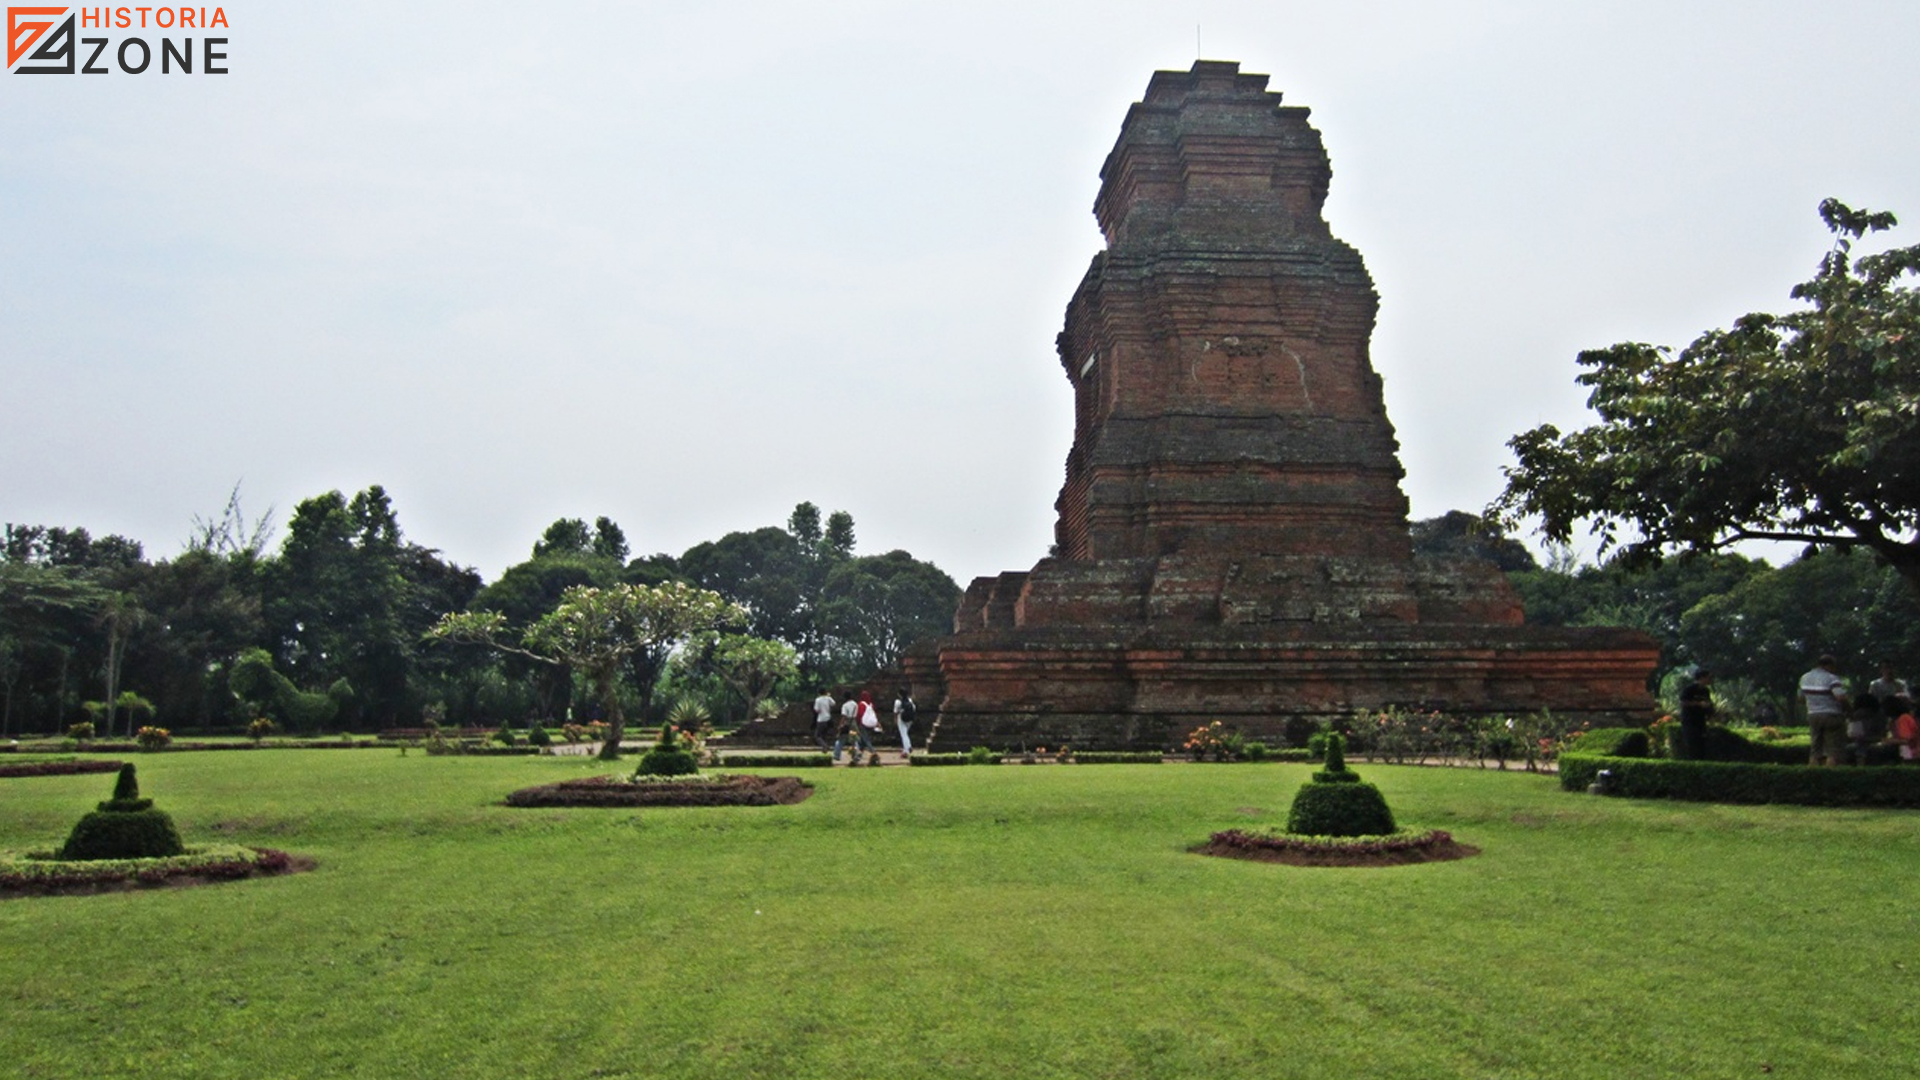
(1232, 540)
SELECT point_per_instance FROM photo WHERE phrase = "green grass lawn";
(1002, 923)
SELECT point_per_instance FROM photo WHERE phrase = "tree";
(874, 606)
(1458, 534)
(1802, 427)
(839, 538)
(603, 633)
(752, 666)
(348, 598)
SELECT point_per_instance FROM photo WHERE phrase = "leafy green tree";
(1458, 534)
(348, 598)
(603, 633)
(1769, 627)
(804, 524)
(839, 538)
(752, 666)
(1799, 427)
(874, 606)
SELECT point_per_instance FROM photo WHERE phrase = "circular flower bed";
(41, 874)
(1395, 849)
(666, 791)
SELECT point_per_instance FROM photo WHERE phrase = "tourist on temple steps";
(823, 708)
(903, 714)
(1696, 708)
(1826, 696)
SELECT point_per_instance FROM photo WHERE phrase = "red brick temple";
(1232, 541)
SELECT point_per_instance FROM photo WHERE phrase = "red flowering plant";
(153, 738)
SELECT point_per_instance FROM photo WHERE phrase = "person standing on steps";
(903, 714)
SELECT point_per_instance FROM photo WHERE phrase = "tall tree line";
(327, 629)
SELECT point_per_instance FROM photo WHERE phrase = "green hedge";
(775, 761)
(946, 759)
(1611, 742)
(1745, 782)
(1117, 757)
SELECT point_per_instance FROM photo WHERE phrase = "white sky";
(687, 266)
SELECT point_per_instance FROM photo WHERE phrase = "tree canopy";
(1800, 427)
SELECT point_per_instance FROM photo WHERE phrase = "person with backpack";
(903, 714)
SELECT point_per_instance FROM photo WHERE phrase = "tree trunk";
(603, 682)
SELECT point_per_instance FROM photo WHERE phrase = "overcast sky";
(688, 265)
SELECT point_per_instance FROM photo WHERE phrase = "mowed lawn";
(994, 922)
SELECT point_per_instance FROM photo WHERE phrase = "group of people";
(852, 723)
(1843, 727)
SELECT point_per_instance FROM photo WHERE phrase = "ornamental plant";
(1336, 802)
(124, 827)
(260, 728)
(667, 757)
(153, 738)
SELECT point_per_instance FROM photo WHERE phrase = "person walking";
(1826, 696)
(903, 714)
(1696, 709)
(823, 709)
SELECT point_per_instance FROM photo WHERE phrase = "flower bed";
(59, 768)
(666, 791)
(40, 874)
(1397, 849)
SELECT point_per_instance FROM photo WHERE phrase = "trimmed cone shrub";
(1336, 771)
(124, 827)
(667, 757)
(537, 736)
(1337, 803)
(1340, 809)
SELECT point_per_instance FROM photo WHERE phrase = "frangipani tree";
(753, 666)
(602, 632)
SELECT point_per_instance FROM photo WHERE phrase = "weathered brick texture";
(1232, 539)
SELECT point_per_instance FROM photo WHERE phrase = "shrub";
(1336, 771)
(124, 827)
(667, 757)
(1611, 742)
(504, 736)
(1118, 757)
(1745, 782)
(1340, 809)
(537, 736)
(1337, 803)
(260, 728)
(980, 755)
(1253, 751)
(926, 760)
(153, 738)
(780, 761)
(81, 731)
(1317, 745)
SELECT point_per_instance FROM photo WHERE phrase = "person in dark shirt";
(1696, 708)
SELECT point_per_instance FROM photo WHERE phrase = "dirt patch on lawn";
(81, 881)
(1435, 846)
(621, 791)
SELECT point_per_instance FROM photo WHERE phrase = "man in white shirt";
(823, 720)
(1826, 696)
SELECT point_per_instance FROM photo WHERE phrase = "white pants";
(906, 740)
